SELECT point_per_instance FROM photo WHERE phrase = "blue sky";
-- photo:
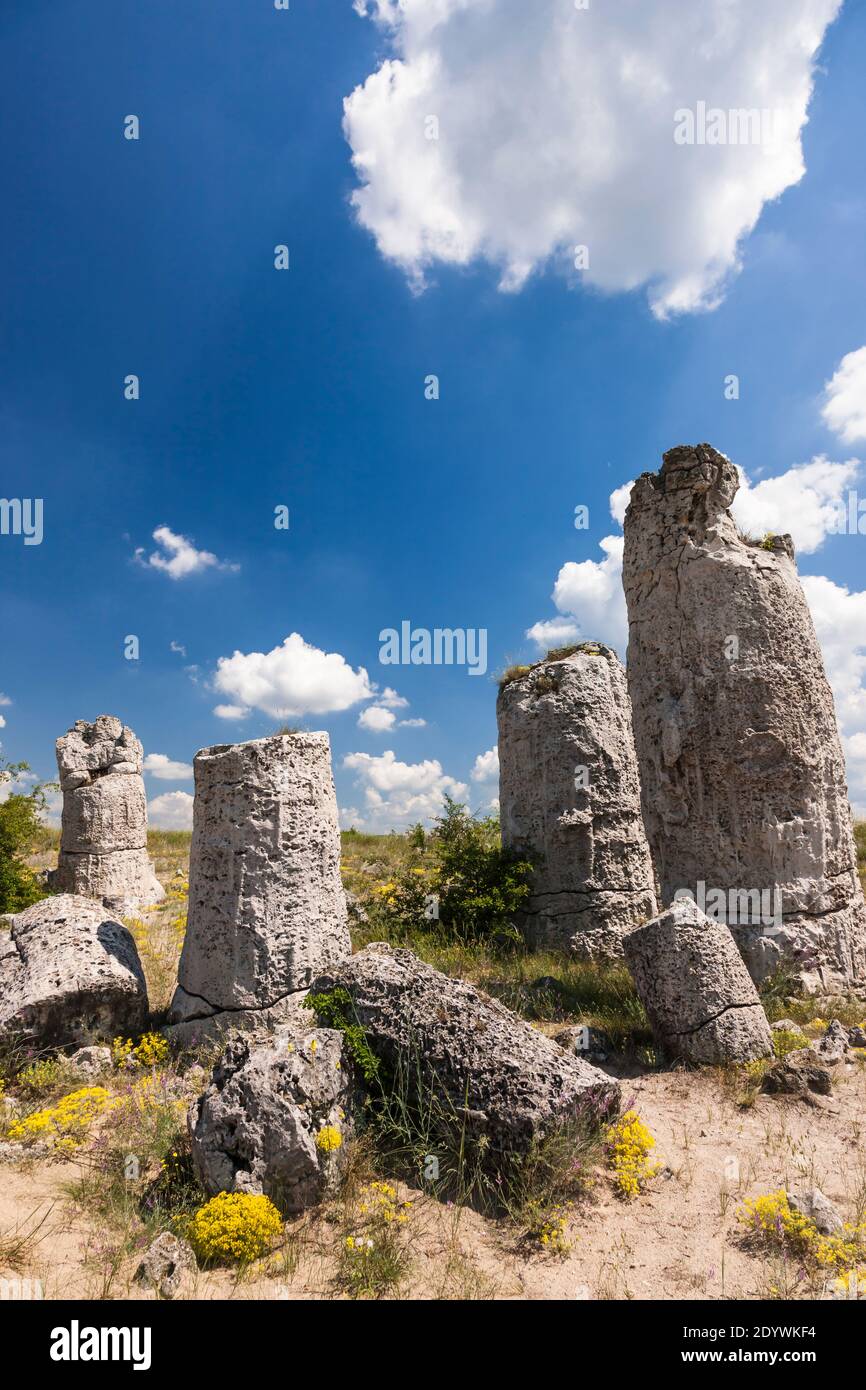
(306, 387)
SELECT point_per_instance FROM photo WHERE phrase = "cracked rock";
(701, 1002)
(570, 799)
(266, 904)
(742, 771)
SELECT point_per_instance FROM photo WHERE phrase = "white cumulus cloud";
(171, 811)
(556, 129)
(845, 398)
(486, 766)
(376, 719)
(397, 794)
(166, 769)
(177, 556)
(806, 501)
(293, 679)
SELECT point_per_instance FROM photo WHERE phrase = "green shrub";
(20, 828)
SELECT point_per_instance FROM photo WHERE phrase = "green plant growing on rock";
(20, 829)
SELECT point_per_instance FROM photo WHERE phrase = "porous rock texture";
(691, 979)
(169, 1267)
(742, 773)
(569, 796)
(69, 974)
(103, 841)
(266, 905)
(472, 1066)
(258, 1127)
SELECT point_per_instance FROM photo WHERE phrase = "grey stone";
(470, 1063)
(742, 772)
(569, 797)
(832, 1047)
(266, 904)
(169, 1267)
(69, 974)
(798, 1074)
(90, 1061)
(701, 1002)
(255, 1128)
(103, 842)
(819, 1209)
(857, 1036)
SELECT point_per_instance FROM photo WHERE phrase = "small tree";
(20, 826)
(480, 885)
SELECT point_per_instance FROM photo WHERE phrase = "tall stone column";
(742, 771)
(569, 795)
(103, 840)
(267, 910)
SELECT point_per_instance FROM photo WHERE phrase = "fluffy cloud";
(293, 679)
(165, 769)
(177, 556)
(376, 719)
(589, 595)
(4, 699)
(171, 811)
(806, 501)
(556, 130)
(486, 766)
(840, 622)
(2, 722)
(397, 794)
(845, 398)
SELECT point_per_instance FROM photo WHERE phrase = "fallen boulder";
(798, 1073)
(169, 1267)
(470, 1064)
(833, 1045)
(69, 974)
(275, 1118)
(818, 1209)
(693, 983)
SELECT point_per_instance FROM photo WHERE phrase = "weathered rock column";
(103, 841)
(741, 766)
(569, 795)
(267, 910)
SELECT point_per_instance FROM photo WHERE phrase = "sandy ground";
(680, 1240)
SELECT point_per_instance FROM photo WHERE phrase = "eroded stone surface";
(474, 1067)
(69, 974)
(700, 999)
(266, 904)
(267, 1122)
(569, 795)
(103, 843)
(741, 766)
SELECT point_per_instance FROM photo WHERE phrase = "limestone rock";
(103, 843)
(266, 904)
(69, 974)
(257, 1127)
(699, 997)
(91, 1061)
(857, 1036)
(819, 1209)
(569, 796)
(169, 1267)
(833, 1046)
(797, 1074)
(471, 1064)
(742, 773)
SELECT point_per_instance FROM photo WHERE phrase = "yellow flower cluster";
(378, 1202)
(548, 1225)
(235, 1226)
(386, 891)
(328, 1139)
(151, 1050)
(774, 1219)
(66, 1123)
(629, 1144)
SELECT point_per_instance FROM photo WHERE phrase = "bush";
(20, 827)
(234, 1227)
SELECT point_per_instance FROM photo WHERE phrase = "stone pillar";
(742, 772)
(267, 910)
(569, 796)
(103, 841)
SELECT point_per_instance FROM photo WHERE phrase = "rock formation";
(69, 974)
(700, 999)
(266, 904)
(742, 774)
(103, 843)
(275, 1117)
(569, 796)
(474, 1068)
